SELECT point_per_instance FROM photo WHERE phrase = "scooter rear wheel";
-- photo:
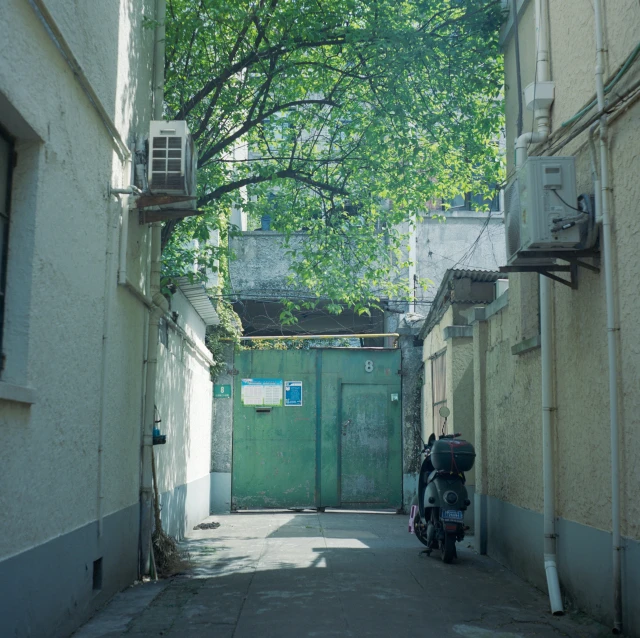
(448, 548)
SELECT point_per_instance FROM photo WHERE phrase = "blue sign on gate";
(293, 393)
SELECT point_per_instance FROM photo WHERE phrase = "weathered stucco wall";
(411, 416)
(63, 305)
(461, 392)
(512, 412)
(459, 362)
(260, 262)
(74, 340)
(223, 420)
(222, 439)
(433, 343)
(464, 240)
(579, 319)
(581, 423)
(67, 228)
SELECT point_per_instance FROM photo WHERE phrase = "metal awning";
(197, 295)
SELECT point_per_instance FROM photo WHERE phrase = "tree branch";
(252, 58)
(248, 125)
(286, 173)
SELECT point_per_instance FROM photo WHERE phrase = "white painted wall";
(62, 283)
(465, 240)
(184, 399)
(57, 296)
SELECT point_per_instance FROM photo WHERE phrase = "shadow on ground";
(348, 575)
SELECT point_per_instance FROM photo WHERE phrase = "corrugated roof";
(441, 301)
(199, 299)
(475, 275)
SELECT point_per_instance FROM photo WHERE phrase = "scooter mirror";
(444, 412)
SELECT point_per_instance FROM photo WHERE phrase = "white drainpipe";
(541, 116)
(160, 306)
(548, 470)
(124, 241)
(612, 327)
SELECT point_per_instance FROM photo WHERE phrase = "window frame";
(438, 389)
(5, 212)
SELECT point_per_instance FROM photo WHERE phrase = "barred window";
(438, 390)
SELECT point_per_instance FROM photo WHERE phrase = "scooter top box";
(452, 455)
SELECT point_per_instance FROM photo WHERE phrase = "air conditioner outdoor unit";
(540, 209)
(173, 161)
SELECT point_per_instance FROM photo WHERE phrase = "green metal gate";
(317, 428)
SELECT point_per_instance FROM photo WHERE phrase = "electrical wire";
(626, 65)
(565, 203)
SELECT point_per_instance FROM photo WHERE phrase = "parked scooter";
(437, 515)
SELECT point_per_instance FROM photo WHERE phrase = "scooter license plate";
(452, 515)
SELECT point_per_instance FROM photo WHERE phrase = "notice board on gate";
(261, 392)
(293, 394)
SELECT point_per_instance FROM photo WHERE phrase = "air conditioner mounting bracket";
(573, 257)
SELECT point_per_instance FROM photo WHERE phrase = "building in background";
(259, 279)
(447, 355)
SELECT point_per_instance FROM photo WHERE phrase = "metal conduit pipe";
(359, 335)
(104, 368)
(160, 306)
(594, 172)
(612, 327)
(541, 117)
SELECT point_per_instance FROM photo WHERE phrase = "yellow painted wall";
(513, 414)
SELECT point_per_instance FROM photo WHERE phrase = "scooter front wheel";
(448, 548)
(420, 530)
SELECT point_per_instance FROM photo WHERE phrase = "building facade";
(75, 94)
(507, 355)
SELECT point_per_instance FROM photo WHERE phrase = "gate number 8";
(368, 365)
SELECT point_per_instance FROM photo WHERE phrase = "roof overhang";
(197, 295)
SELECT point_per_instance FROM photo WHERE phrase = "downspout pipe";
(612, 327)
(542, 120)
(548, 473)
(124, 241)
(160, 306)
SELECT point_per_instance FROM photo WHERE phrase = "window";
(19, 188)
(438, 389)
(6, 166)
(163, 333)
(471, 201)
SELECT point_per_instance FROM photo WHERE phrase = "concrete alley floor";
(333, 574)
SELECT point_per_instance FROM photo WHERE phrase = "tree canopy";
(340, 118)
